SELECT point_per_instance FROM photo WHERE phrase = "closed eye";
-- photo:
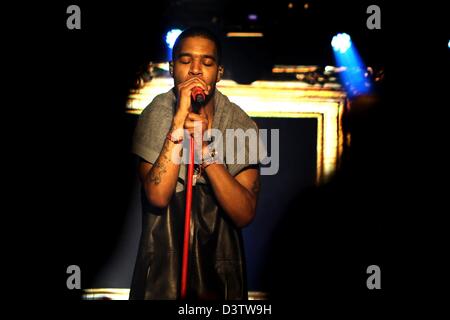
(208, 62)
(185, 61)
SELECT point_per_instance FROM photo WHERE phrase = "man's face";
(197, 57)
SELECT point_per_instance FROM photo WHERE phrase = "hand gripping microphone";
(199, 97)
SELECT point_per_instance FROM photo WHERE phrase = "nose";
(196, 68)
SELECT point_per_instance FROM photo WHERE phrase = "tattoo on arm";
(160, 165)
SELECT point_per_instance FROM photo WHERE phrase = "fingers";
(193, 120)
(185, 91)
(186, 87)
(201, 83)
(197, 117)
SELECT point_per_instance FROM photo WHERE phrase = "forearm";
(238, 202)
(161, 180)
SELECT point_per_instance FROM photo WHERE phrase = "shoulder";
(241, 119)
(160, 108)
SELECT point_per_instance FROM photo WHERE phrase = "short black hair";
(198, 32)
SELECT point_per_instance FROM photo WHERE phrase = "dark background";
(77, 165)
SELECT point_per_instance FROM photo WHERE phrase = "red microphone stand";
(196, 92)
(187, 220)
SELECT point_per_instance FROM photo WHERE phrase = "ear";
(219, 74)
(171, 68)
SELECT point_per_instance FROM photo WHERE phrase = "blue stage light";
(172, 36)
(341, 42)
(353, 76)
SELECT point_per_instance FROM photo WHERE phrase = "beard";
(210, 95)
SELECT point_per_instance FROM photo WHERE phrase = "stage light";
(252, 17)
(245, 35)
(172, 36)
(341, 42)
(353, 70)
(448, 44)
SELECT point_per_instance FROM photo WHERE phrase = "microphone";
(199, 97)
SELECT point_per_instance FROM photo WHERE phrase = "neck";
(209, 110)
